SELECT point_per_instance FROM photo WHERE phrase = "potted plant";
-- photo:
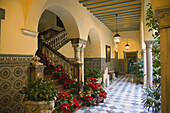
(95, 73)
(39, 96)
(88, 100)
(103, 95)
(66, 103)
(98, 100)
(116, 71)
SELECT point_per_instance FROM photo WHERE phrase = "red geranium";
(103, 94)
(93, 79)
(65, 108)
(62, 94)
(94, 86)
(76, 103)
(67, 82)
(88, 98)
(64, 76)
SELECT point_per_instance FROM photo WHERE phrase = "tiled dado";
(13, 76)
(99, 63)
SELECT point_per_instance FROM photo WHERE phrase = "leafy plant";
(153, 25)
(95, 73)
(40, 90)
(153, 95)
(66, 103)
(153, 99)
(139, 68)
(116, 70)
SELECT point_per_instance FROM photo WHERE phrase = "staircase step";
(58, 86)
(49, 76)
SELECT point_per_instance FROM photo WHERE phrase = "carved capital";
(148, 43)
(163, 16)
(78, 41)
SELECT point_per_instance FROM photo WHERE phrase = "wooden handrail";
(59, 54)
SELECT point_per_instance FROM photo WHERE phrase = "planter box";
(39, 106)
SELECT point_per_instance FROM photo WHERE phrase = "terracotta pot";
(39, 106)
(97, 104)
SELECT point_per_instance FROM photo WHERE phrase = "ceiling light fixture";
(117, 36)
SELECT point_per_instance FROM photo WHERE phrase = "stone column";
(161, 10)
(77, 52)
(79, 45)
(149, 62)
(82, 60)
(144, 69)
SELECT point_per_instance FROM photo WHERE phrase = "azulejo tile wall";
(13, 76)
(99, 63)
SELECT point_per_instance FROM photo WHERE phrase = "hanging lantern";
(127, 46)
(117, 36)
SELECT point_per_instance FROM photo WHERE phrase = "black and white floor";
(123, 96)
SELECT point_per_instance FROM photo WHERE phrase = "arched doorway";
(126, 56)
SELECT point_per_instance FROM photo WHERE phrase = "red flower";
(88, 98)
(94, 86)
(62, 70)
(103, 94)
(93, 79)
(65, 108)
(76, 103)
(56, 70)
(60, 66)
(62, 94)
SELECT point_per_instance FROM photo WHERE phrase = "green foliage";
(40, 90)
(153, 99)
(152, 23)
(95, 73)
(116, 69)
(153, 95)
(139, 68)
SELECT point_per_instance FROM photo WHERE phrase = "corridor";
(123, 97)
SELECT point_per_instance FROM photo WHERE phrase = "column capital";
(163, 16)
(148, 43)
(78, 41)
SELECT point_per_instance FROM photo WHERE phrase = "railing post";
(36, 69)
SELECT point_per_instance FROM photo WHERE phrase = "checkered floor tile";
(123, 97)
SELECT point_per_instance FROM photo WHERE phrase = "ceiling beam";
(114, 16)
(134, 21)
(126, 20)
(118, 7)
(136, 15)
(114, 4)
(122, 12)
(116, 11)
(114, 20)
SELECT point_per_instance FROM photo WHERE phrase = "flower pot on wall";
(39, 106)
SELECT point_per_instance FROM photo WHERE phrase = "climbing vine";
(153, 95)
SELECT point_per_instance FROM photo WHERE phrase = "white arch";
(93, 47)
(67, 18)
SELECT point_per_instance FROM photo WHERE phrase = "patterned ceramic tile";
(123, 97)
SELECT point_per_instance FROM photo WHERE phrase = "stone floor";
(124, 96)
